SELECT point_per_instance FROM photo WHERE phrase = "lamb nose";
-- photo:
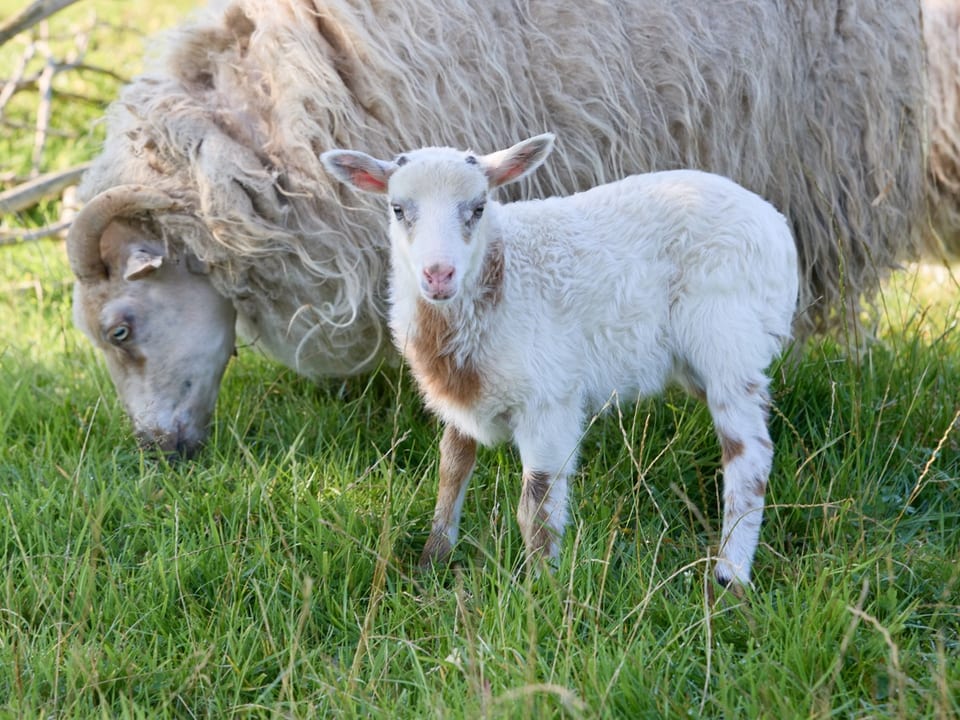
(438, 274)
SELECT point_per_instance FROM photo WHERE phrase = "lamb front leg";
(549, 447)
(542, 514)
(458, 455)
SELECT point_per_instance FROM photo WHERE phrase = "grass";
(274, 576)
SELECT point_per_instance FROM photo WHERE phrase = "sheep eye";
(477, 212)
(120, 333)
(397, 212)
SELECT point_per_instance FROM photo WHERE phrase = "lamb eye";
(120, 333)
(477, 212)
(397, 212)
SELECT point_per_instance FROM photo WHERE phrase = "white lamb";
(520, 320)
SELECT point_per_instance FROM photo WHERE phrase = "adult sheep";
(941, 31)
(208, 203)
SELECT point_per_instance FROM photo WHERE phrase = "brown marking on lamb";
(435, 551)
(760, 487)
(753, 388)
(537, 484)
(433, 362)
(537, 533)
(491, 276)
(431, 351)
(731, 449)
(458, 455)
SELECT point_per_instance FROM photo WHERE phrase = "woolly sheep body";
(576, 265)
(559, 306)
(816, 106)
(941, 31)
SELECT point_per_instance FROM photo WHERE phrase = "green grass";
(274, 576)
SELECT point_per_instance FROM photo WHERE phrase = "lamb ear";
(141, 263)
(506, 166)
(359, 169)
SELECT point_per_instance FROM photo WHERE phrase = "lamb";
(519, 320)
(816, 106)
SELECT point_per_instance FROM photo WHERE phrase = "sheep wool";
(818, 107)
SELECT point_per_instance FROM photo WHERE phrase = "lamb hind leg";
(458, 455)
(740, 420)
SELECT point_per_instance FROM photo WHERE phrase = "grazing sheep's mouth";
(172, 445)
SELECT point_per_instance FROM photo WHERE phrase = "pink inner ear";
(368, 182)
(511, 171)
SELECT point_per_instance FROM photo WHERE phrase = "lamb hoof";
(436, 552)
(729, 589)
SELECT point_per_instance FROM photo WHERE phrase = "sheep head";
(165, 332)
(437, 199)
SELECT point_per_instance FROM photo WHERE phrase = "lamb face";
(438, 230)
(436, 236)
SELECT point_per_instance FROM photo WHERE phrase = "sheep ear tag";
(141, 263)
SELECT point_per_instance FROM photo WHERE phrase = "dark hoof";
(725, 587)
(435, 553)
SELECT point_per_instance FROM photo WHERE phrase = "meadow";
(275, 574)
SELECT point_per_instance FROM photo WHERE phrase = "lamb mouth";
(439, 297)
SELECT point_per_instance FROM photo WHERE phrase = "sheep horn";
(83, 240)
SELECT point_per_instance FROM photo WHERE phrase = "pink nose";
(438, 279)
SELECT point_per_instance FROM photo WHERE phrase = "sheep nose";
(174, 445)
(438, 281)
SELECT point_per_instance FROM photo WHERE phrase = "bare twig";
(20, 82)
(33, 235)
(83, 67)
(76, 98)
(43, 82)
(30, 193)
(13, 83)
(45, 108)
(19, 126)
(30, 16)
(81, 42)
